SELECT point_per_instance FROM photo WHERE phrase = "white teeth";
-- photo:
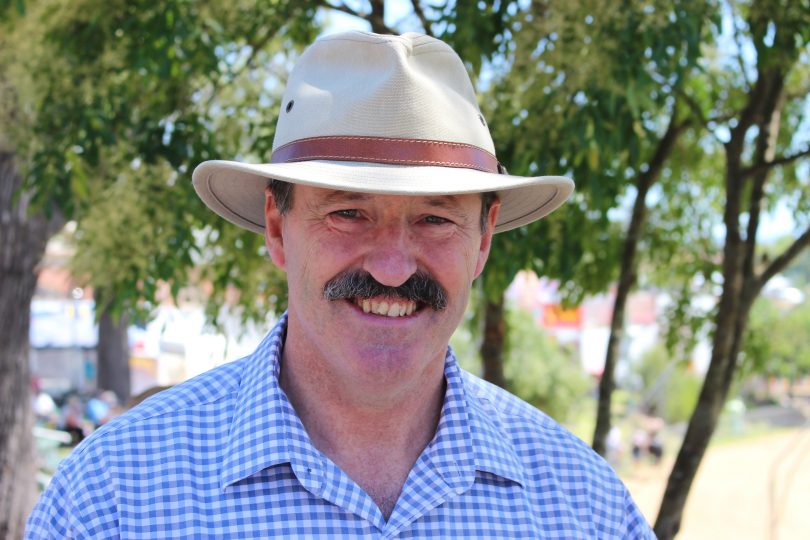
(392, 309)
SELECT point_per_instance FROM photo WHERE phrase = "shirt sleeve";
(50, 516)
(636, 526)
(80, 502)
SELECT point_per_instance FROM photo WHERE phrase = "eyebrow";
(448, 202)
(336, 195)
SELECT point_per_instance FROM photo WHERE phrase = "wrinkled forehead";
(327, 195)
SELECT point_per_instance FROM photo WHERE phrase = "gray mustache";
(420, 287)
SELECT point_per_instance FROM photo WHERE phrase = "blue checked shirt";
(224, 455)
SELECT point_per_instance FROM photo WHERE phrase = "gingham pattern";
(225, 456)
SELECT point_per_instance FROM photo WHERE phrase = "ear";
(272, 230)
(486, 238)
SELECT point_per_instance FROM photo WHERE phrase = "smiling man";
(352, 418)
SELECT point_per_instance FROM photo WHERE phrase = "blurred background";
(661, 315)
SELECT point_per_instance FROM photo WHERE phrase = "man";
(352, 418)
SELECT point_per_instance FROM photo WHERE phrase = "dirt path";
(734, 489)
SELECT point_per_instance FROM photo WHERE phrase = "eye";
(348, 213)
(435, 220)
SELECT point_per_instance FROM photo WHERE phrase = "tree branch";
(377, 18)
(344, 8)
(662, 151)
(258, 46)
(749, 114)
(694, 106)
(754, 211)
(769, 125)
(417, 9)
(765, 166)
(782, 261)
(255, 48)
(735, 18)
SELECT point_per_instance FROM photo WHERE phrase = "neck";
(373, 431)
(345, 418)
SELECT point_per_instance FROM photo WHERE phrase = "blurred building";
(174, 346)
(587, 327)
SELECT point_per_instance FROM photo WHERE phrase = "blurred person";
(639, 444)
(352, 418)
(655, 446)
(72, 419)
(103, 407)
(45, 408)
(614, 445)
(43, 405)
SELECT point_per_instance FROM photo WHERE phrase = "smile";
(387, 307)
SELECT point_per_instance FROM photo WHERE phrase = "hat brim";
(235, 190)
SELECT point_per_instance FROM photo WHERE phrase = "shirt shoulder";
(535, 437)
(558, 468)
(515, 416)
(173, 407)
(82, 499)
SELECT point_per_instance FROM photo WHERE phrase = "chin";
(389, 360)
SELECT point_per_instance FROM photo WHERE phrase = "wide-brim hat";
(379, 114)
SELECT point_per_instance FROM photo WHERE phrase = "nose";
(391, 257)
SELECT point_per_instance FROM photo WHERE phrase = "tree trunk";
(113, 356)
(627, 280)
(22, 245)
(741, 284)
(725, 348)
(494, 340)
(730, 318)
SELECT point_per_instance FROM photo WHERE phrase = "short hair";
(283, 193)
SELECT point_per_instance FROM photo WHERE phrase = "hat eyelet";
(481, 118)
(290, 105)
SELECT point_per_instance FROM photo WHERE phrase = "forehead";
(316, 195)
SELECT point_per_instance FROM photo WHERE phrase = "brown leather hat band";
(394, 151)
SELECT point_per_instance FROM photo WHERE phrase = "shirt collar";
(490, 444)
(265, 430)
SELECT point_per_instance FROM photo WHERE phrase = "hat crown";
(362, 84)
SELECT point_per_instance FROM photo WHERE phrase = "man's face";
(327, 234)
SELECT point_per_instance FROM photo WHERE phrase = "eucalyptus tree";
(24, 232)
(751, 103)
(668, 62)
(587, 90)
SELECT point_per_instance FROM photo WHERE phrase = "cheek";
(314, 260)
(453, 266)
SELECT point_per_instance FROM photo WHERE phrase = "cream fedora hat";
(379, 114)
